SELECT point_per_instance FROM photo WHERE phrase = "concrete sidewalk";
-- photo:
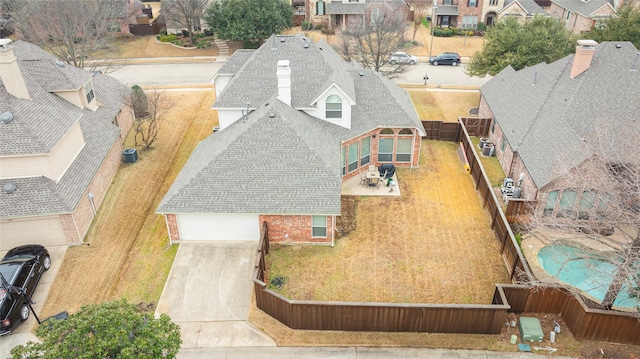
(349, 353)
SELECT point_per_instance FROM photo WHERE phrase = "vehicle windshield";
(9, 270)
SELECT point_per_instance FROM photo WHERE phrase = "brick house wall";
(465, 9)
(294, 229)
(509, 161)
(82, 216)
(172, 227)
(124, 120)
(373, 158)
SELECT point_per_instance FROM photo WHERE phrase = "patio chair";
(363, 177)
(372, 168)
(382, 178)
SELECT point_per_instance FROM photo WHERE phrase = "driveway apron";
(208, 294)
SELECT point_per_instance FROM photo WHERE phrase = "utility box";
(530, 329)
(130, 155)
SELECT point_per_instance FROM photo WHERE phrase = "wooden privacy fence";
(583, 322)
(451, 131)
(518, 209)
(513, 257)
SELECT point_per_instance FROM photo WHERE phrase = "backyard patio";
(432, 244)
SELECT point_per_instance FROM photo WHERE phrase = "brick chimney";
(284, 81)
(584, 54)
(10, 71)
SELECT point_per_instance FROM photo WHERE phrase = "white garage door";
(219, 227)
(46, 231)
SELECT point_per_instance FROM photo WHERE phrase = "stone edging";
(174, 45)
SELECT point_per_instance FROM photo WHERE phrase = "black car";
(445, 58)
(21, 270)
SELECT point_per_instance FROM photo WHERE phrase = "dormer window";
(334, 107)
(88, 92)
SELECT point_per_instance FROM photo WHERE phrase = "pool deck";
(536, 240)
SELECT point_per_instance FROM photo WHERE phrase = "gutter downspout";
(333, 231)
(75, 225)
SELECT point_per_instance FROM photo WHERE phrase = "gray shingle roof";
(529, 6)
(311, 69)
(584, 8)
(546, 121)
(447, 10)
(279, 165)
(289, 164)
(235, 62)
(334, 8)
(42, 121)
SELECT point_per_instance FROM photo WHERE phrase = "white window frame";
(385, 156)
(333, 106)
(319, 226)
(400, 156)
(353, 155)
(88, 92)
(365, 156)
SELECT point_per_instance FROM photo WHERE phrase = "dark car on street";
(445, 58)
(21, 270)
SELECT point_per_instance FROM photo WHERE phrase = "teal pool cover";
(584, 270)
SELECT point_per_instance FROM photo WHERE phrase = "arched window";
(406, 131)
(320, 8)
(387, 131)
(376, 16)
(334, 106)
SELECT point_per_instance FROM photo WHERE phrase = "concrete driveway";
(208, 294)
(23, 333)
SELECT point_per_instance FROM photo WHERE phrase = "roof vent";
(9, 187)
(272, 114)
(361, 73)
(306, 45)
(618, 46)
(61, 63)
(282, 39)
(634, 67)
(6, 117)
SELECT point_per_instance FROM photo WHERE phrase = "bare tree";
(598, 202)
(152, 106)
(371, 43)
(185, 13)
(419, 12)
(72, 30)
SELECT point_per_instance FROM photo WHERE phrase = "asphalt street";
(178, 72)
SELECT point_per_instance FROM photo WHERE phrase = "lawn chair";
(382, 178)
(363, 177)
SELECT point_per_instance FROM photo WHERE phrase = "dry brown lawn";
(128, 255)
(443, 105)
(146, 46)
(432, 245)
(423, 37)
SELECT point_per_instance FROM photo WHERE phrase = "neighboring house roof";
(584, 8)
(545, 114)
(529, 6)
(339, 8)
(336, 8)
(289, 163)
(447, 10)
(41, 122)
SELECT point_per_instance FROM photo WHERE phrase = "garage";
(219, 227)
(46, 231)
